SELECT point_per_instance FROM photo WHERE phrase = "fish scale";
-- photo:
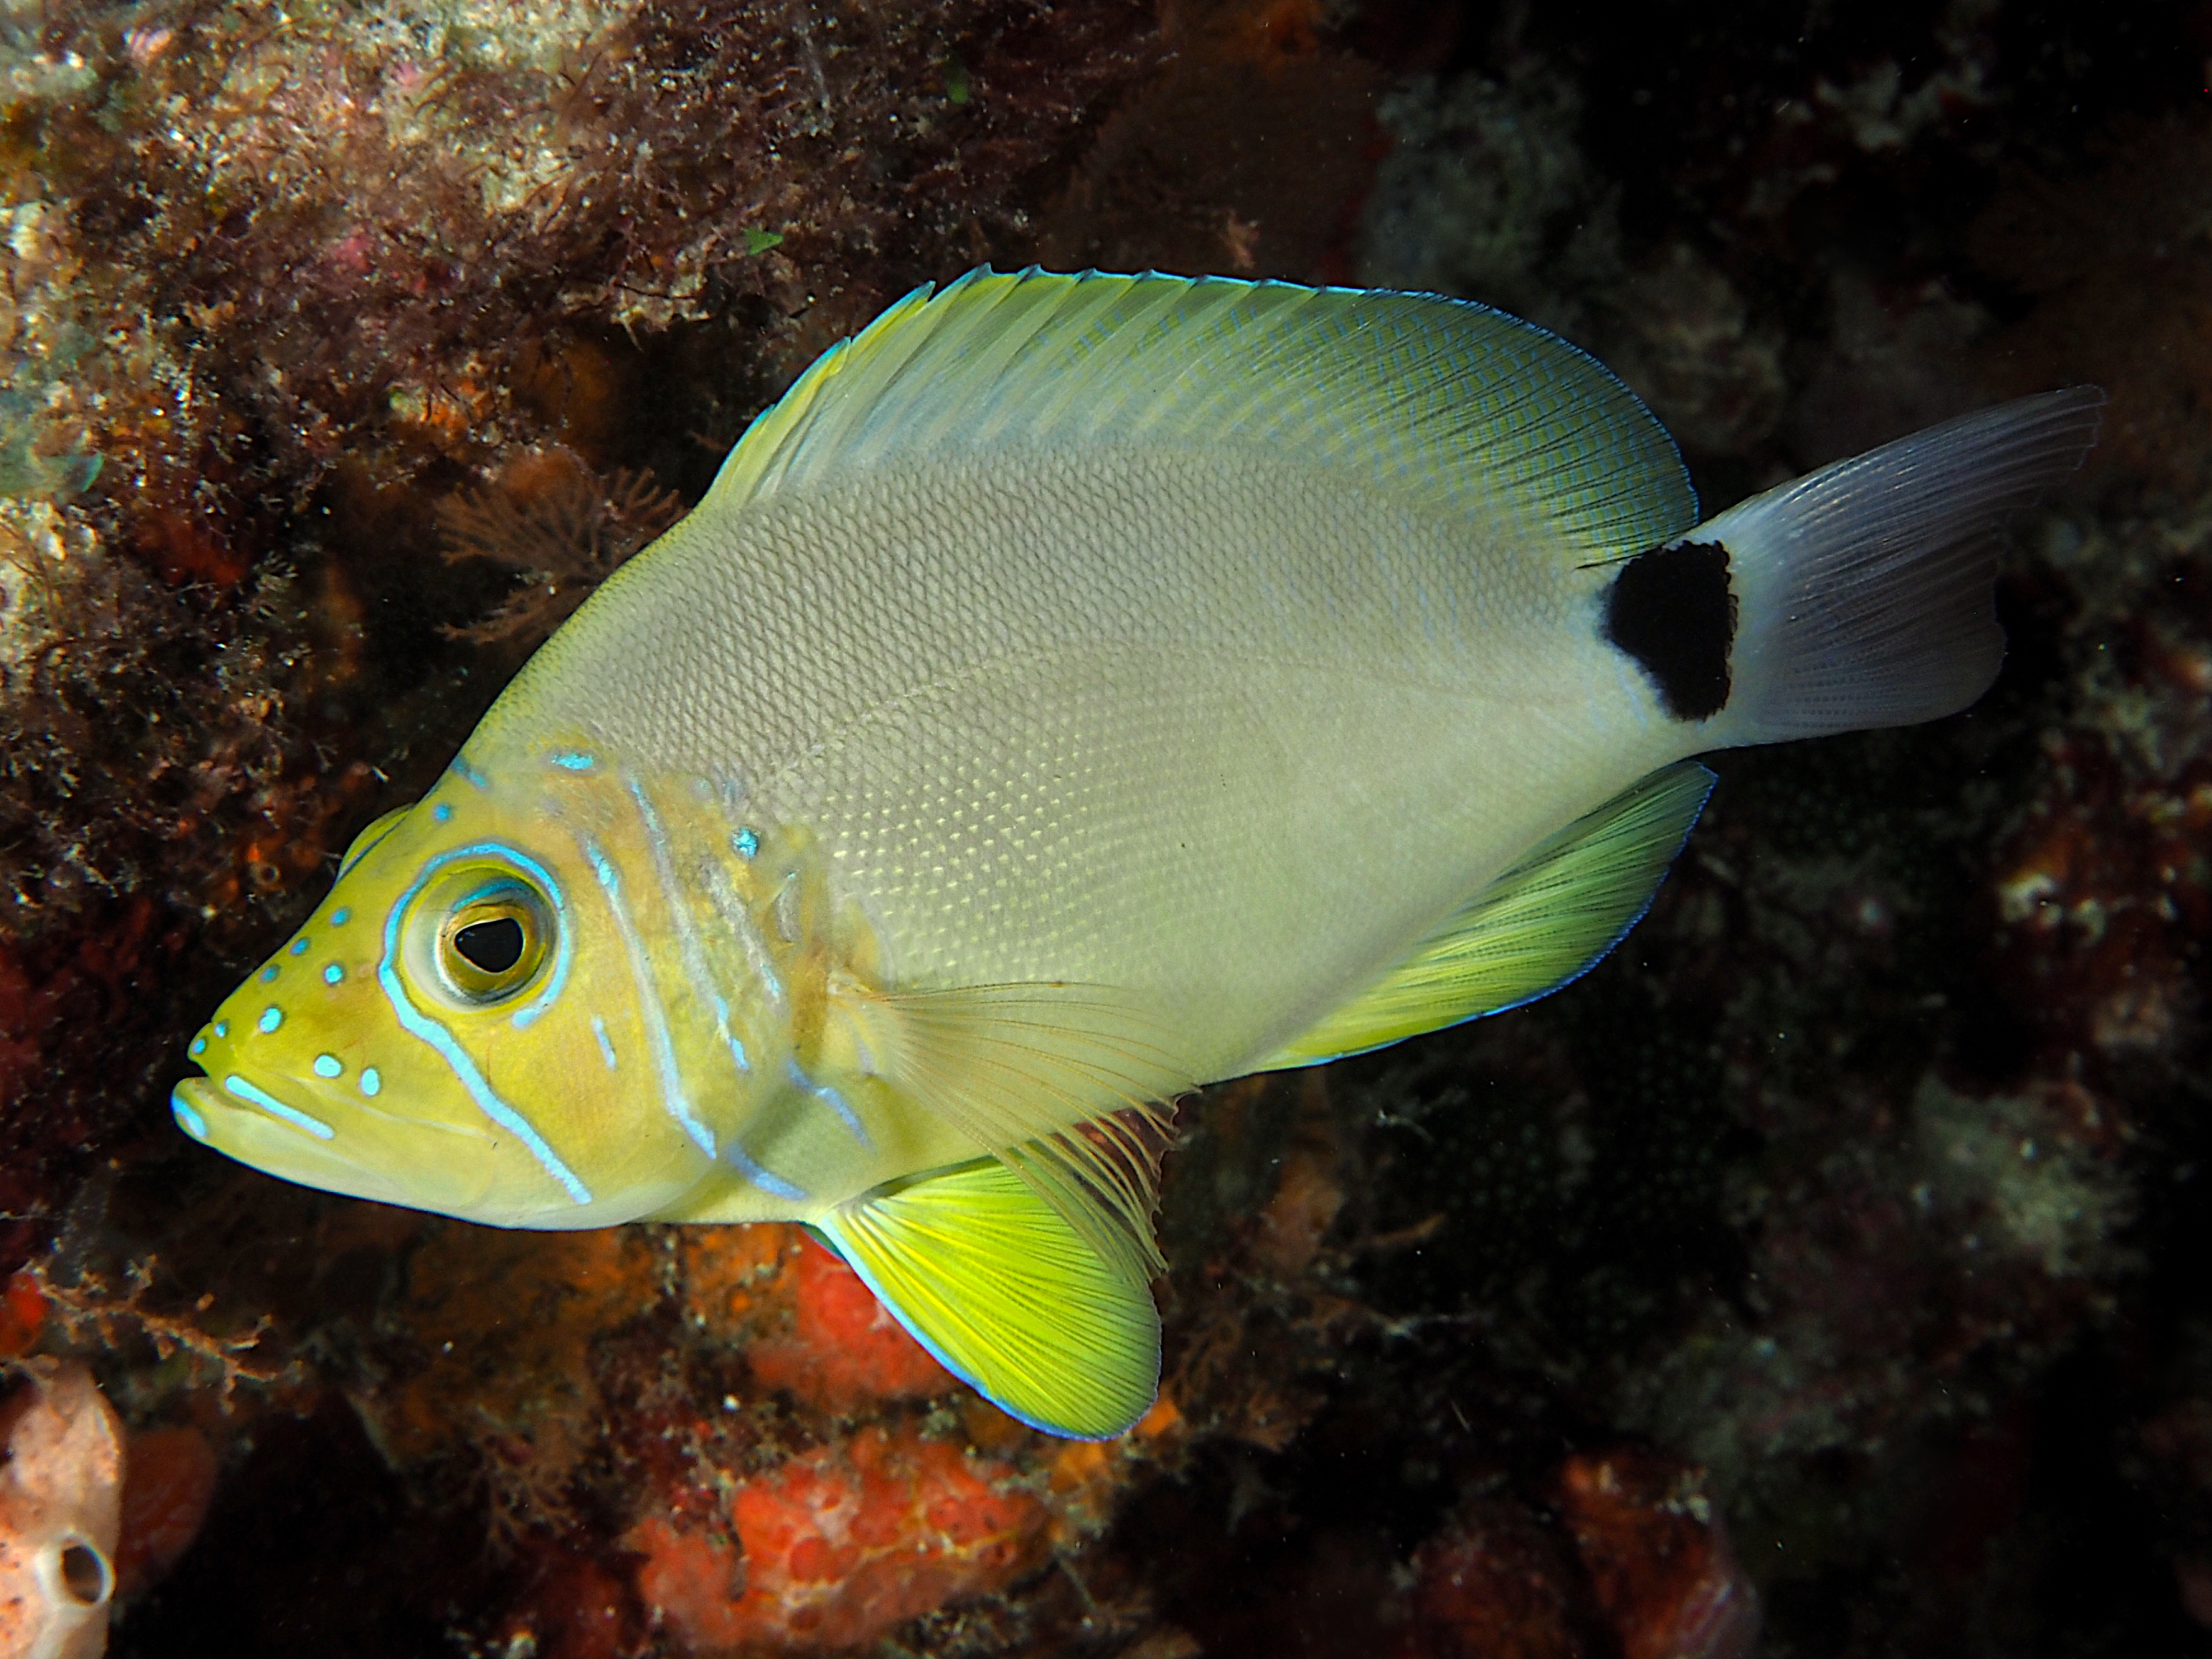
(1074, 690)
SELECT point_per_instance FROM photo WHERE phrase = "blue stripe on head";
(234, 1085)
(767, 1180)
(830, 1098)
(417, 1023)
(656, 1018)
(736, 1046)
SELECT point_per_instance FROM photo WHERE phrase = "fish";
(1075, 690)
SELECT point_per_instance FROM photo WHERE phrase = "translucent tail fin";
(1863, 589)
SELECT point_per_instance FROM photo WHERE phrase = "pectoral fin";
(991, 1279)
(1545, 921)
(1069, 1085)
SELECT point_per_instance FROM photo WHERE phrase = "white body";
(1237, 778)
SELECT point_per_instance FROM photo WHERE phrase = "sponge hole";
(85, 1574)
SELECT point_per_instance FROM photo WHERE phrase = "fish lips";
(292, 1129)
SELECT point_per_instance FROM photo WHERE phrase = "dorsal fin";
(1492, 418)
(1542, 924)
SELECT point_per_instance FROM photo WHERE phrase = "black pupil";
(490, 947)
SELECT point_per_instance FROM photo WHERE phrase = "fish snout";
(327, 1124)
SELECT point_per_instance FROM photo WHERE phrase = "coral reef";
(2111, 254)
(803, 1477)
(169, 1476)
(1645, 1570)
(843, 1348)
(1494, 1584)
(1826, 1263)
(502, 1325)
(1187, 174)
(837, 1548)
(1662, 1569)
(551, 518)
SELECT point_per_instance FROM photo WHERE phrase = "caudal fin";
(1863, 590)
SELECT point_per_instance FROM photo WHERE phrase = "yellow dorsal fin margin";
(992, 1280)
(1540, 925)
(1509, 427)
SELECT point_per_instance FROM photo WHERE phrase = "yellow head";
(460, 1027)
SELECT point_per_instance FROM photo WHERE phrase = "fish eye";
(492, 943)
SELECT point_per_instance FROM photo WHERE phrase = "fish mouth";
(193, 1099)
(188, 1104)
(360, 1153)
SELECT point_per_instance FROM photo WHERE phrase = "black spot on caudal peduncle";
(1671, 609)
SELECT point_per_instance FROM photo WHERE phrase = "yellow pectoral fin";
(1008, 1297)
(1539, 925)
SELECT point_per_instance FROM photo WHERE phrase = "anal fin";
(1543, 923)
(993, 1281)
